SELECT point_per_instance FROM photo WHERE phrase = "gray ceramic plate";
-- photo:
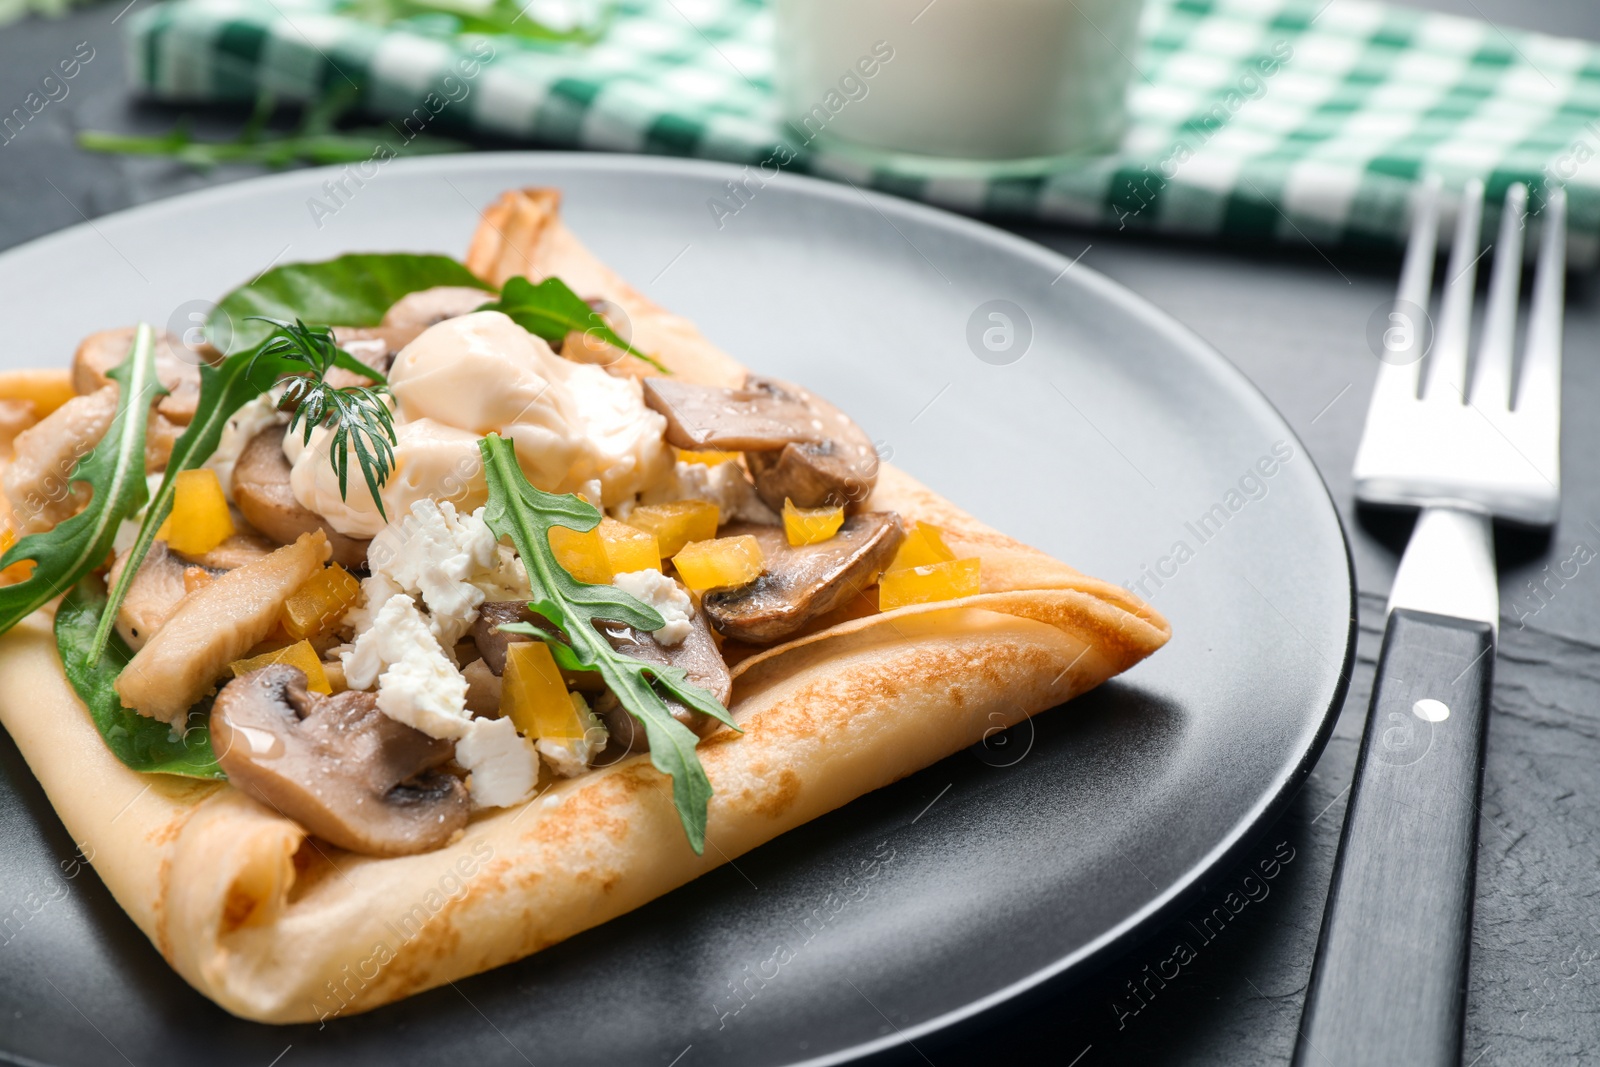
(1096, 428)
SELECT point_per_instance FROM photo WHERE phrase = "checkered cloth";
(1302, 121)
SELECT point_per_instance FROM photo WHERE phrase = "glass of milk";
(957, 86)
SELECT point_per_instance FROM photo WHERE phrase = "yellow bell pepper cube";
(934, 582)
(678, 523)
(923, 546)
(533, 696)
(18, 571)
(45, 389)
(199, 520)
(596, 556)
(808, 526)
(722, 563)
(709, 458)
(628, 548)
(320, 602)
(300, 654)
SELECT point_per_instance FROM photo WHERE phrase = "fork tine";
(1399, 380)
(1447, 364)
(1539, 394)
(1491, 386)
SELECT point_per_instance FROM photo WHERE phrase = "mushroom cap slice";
(486, 633)
(265, 498)
(177, 368)
(336, 764)
(429, 307)
(803, 582)
(763, 415)
(838, 471)
(700, 659)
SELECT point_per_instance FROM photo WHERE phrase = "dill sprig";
(358, 415)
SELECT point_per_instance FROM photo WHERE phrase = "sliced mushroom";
(336, 764)
(212, 627)
(803, 582)
(177, 367)
(762, 416)
(261, 489)
(155, 593)
(838, 471)
(429, 307)
(486, 631)
(697, 654)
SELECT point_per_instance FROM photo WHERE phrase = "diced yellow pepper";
(18, 571)
(629, 548)
(596, 556)
(721, 563)
(533, 696)
(45, 389)
(923, 546)
(924, 585)
(320, 602)
(709, 458)
(807, 526)
(300, 654)
(199, 520)
(678, 523)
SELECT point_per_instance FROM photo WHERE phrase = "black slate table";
(1294, 321)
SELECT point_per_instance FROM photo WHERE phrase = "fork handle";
(1388, 985)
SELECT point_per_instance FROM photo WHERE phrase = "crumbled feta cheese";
(503, 767)
(251, 418)
(570, 757)
(417, 683)
(655, 589)
(507, 579)
(726, 485)
(435, 553)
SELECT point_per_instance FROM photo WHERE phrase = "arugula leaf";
(353, 290)
(114, 472)
(551, 310)
(518, 510)
(224, 389)
(315, 141)
(498, 17)
(143, 743)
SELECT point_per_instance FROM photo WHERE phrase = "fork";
(1388, 985)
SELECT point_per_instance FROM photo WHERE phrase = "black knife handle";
(1388, 985)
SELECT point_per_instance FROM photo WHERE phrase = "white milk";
(962, 79)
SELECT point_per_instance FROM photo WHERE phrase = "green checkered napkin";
(1302, 121)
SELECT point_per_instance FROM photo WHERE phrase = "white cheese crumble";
(242, 427)
(503, 767)
(417, 683)
(655, 589)
(570, 757)
(435, 553)
(726, 485)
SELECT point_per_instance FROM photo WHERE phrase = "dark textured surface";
(1204, 990)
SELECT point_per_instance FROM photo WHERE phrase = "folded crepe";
(281, 927)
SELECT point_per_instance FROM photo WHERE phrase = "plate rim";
(1245, 832)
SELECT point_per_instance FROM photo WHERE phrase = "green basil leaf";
(353, 290)
(551, 310)
(143, 743)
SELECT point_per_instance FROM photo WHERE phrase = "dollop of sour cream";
(573, 426)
